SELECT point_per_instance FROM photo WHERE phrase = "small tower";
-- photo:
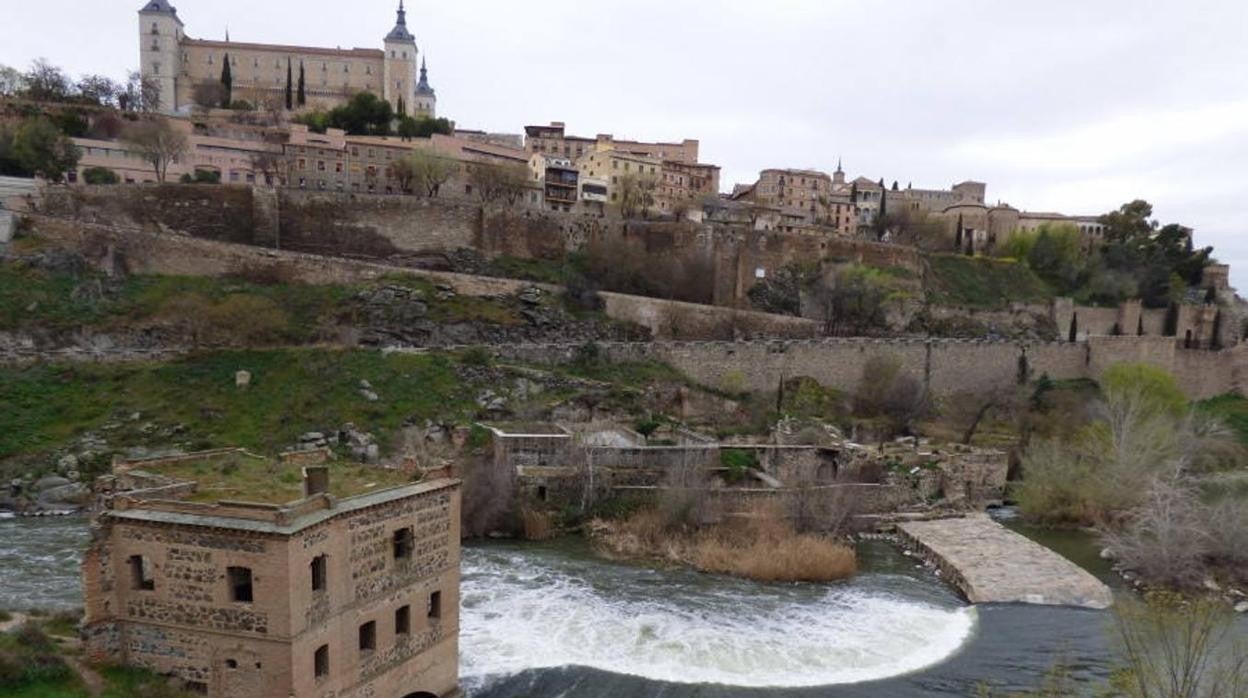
(400, 65)
(160, 41)
(838, 177)
(426, 102)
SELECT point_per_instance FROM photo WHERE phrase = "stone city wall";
(147, 252)
(731, 259)
(949, 368)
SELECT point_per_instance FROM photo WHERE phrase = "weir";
(989, 563)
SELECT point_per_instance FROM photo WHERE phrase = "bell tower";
(160, 52)
(400, 66)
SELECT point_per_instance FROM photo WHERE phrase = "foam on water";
(522, 613)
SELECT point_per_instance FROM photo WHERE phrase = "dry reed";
(760, 545)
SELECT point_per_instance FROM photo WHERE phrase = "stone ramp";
(992, 564)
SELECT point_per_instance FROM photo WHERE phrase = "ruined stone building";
(261, 72)
(325, 596)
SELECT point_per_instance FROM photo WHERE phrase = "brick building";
(350, 597)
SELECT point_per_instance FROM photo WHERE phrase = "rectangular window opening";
(319, 568)
(404, 543)
(403, 620)
(240, 584)
(141, 574)
(435, 605)
(368, 636)
(320, 662)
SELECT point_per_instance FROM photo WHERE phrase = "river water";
(552, 619)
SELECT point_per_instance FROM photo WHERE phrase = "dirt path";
(13, 623)
(93, 681)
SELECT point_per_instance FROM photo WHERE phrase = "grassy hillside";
(982, 282)
(32, 297)
(292, 391)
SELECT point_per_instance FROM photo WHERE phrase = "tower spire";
(400, 32)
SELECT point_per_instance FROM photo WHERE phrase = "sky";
(1059, 105)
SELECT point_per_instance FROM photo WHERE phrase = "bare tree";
(403, 172)
(1176, 647)
(12, 81)
(269, 164)
(430, 172)
(157, 143)
(637, 195)
(99, 89)
(209, 94)
(46, 82)
(142, 94)
(499, 182)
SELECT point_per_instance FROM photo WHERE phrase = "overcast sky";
(1059, 105)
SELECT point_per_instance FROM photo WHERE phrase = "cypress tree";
(227, 83)
(402, 108)
(302, 97)
(290, 87)
(1074, 328)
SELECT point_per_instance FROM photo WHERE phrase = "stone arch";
(421, 694)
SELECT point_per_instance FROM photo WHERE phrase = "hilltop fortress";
(262, 72)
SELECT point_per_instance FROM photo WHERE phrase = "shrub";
(100, 175)
(738, 462)
(476, 356)
(1164, 540)
(886, 392)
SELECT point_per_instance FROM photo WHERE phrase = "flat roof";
(344, 506)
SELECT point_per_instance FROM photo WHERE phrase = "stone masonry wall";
(146, 252)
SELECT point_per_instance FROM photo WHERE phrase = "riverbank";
(761, 546)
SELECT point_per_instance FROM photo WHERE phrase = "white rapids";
(522, 612)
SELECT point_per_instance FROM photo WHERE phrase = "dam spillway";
(989, 563)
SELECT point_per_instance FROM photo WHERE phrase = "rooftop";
(237, 476)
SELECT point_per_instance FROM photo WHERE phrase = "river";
(552, 619)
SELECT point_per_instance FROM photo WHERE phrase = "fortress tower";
(160, 38)
(180, 64)
(400, 66)
(426, 103)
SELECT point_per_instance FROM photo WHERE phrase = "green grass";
(241, 479)
(555, 272)
(1232, 410)
(292, 391)
(57, 301)
(983, 282)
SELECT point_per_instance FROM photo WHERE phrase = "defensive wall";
(143, 251)
(729, 259)
(948, 368)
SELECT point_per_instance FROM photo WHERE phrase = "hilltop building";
(553, 140)
(261, 72)
(347, 596)
(804, 198)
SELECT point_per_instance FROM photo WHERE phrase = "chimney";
(315, 480)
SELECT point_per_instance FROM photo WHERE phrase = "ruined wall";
(212, 212)
(676, 320)
(374, 225)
